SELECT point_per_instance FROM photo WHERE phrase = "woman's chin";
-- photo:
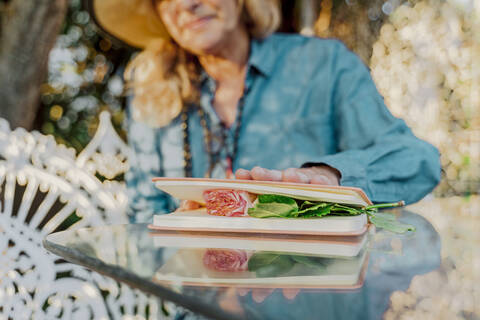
(201, 41)
(203, 45)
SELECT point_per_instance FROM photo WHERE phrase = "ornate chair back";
(44, 188)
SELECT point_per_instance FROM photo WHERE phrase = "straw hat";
(134, 22)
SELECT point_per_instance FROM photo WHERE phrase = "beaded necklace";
(213, 157)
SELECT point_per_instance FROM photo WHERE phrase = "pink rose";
(228, 203)
(226, 260)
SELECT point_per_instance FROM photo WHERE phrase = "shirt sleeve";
(375, 151)
(145, 163)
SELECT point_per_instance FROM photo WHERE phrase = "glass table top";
(255, 276)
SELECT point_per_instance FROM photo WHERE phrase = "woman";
(221, 93)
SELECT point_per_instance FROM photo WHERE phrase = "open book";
(199, 220)
(193, 188)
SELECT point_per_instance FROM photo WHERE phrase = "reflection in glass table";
(235, 276)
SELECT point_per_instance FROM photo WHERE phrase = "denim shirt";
(307, 101)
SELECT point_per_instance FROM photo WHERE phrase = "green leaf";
(314, 262)
(272, 198)
(388, 222)
(271, 210)
(338, 208)
(269, 264)
(270, 205)
(266, 264)
(260, 259)
(318, 210)
(385, 216)
(307, 204)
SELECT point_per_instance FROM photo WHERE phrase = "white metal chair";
(107, 155)
(44, 188)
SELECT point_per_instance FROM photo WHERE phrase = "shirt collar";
(261, 56)
(260, 59)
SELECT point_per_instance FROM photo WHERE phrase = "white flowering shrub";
(426, 63)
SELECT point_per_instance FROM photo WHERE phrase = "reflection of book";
(316, 245)
(280, 270)
(199, 220)
(202, 259)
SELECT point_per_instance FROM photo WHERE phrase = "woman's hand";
(315, 175)
(322, 174)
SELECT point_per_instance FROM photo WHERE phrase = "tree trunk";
(357, 23)
(28, 32)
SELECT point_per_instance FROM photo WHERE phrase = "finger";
(243, 174)
(295, 175)
(259, 295)
(290, 294)
(243, 291)
(274, 175)
(323, 175)
(319, 179)
(258, 173)
(263, 174)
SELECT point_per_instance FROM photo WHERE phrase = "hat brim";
(134, 22)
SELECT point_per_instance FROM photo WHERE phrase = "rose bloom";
(228, 260)
(227, 202)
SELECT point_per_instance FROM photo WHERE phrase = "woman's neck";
(228, 63)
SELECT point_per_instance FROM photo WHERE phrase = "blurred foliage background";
(424, 57)
(84, 77)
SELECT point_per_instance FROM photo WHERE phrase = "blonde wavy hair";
(164, 77)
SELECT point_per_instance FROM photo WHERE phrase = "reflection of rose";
(226, 259)
(227, 202)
